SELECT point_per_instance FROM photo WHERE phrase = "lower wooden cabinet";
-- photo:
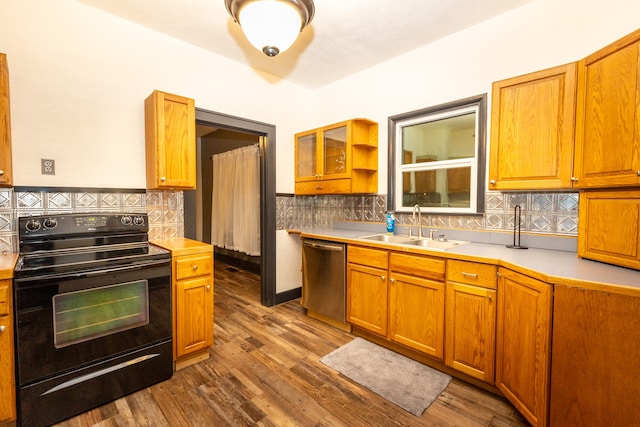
(523, 343)
(7, 361)
(367, 288)
(595, 369)
(416, 305)
(471, 319)
(194, 303)
(397, 296)
(193, 297)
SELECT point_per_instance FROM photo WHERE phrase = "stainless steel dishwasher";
(323, 278)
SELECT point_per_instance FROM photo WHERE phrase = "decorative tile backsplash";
(164, 208)
(543, 213)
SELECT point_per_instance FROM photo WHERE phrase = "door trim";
(267, 192)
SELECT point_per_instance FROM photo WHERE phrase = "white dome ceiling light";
(272, 26)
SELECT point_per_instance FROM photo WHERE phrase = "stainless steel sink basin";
(425, 242)
(388, 238)
(436, 244)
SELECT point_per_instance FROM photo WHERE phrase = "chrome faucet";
(432, 232)
(417, 207)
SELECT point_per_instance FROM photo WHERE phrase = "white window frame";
(397, 124)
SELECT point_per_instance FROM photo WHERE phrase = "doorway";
(195, 201)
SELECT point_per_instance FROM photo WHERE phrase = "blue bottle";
(391, 223)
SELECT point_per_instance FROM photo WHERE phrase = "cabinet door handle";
(574, 179)
(195, 268)
(472, 275)
(637, 173)
(3, 328)
(319, 187)
(492, 182)
(392, 280)
(208, 287)
(2, 172)
(382, 277)
(489, 296)
(163, 178)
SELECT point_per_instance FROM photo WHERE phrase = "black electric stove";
(93, 312)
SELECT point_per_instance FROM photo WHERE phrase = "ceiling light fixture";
(272, 26)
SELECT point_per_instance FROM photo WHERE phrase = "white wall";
(538, 35)
(78, 80)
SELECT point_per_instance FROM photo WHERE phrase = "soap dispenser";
(391, 222)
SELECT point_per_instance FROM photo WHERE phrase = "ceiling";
(345, 36)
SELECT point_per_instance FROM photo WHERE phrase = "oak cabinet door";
(194, 311)
(471, 330)
(417, 313)
(523, 344)
(7, 361)
(532, 130)
(367, 298)
(6, 173)
(608, 116)
(170, 141)
(595, 370)
(598, 238)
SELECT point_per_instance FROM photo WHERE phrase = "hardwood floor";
(264, 370)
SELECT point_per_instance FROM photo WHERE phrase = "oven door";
(86, 339)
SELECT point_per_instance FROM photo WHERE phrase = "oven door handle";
(80, 274)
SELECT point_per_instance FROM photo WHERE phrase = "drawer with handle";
(193, 266)
(472, 273)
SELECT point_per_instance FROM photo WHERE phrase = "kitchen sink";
(424, 243)
(388, 238)
(436, 244)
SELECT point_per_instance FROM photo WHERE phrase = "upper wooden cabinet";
(170, 133)
(6, 173)
(338, 159)
(609, 227)
(608, 116)
(532, 130)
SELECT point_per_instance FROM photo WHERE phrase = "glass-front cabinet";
(306, 156)
(334, 149)
(337, 159)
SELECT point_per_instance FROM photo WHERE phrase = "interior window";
(437, 158)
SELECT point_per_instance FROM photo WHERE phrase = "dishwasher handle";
(324, 246)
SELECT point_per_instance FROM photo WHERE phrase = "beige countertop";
(552, 266)
(7, 264)
(183, 246)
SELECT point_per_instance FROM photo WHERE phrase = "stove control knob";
(50, 223)
(32, 225)
(138, 220)
(126, 220)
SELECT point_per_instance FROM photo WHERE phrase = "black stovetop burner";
(69, 243)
